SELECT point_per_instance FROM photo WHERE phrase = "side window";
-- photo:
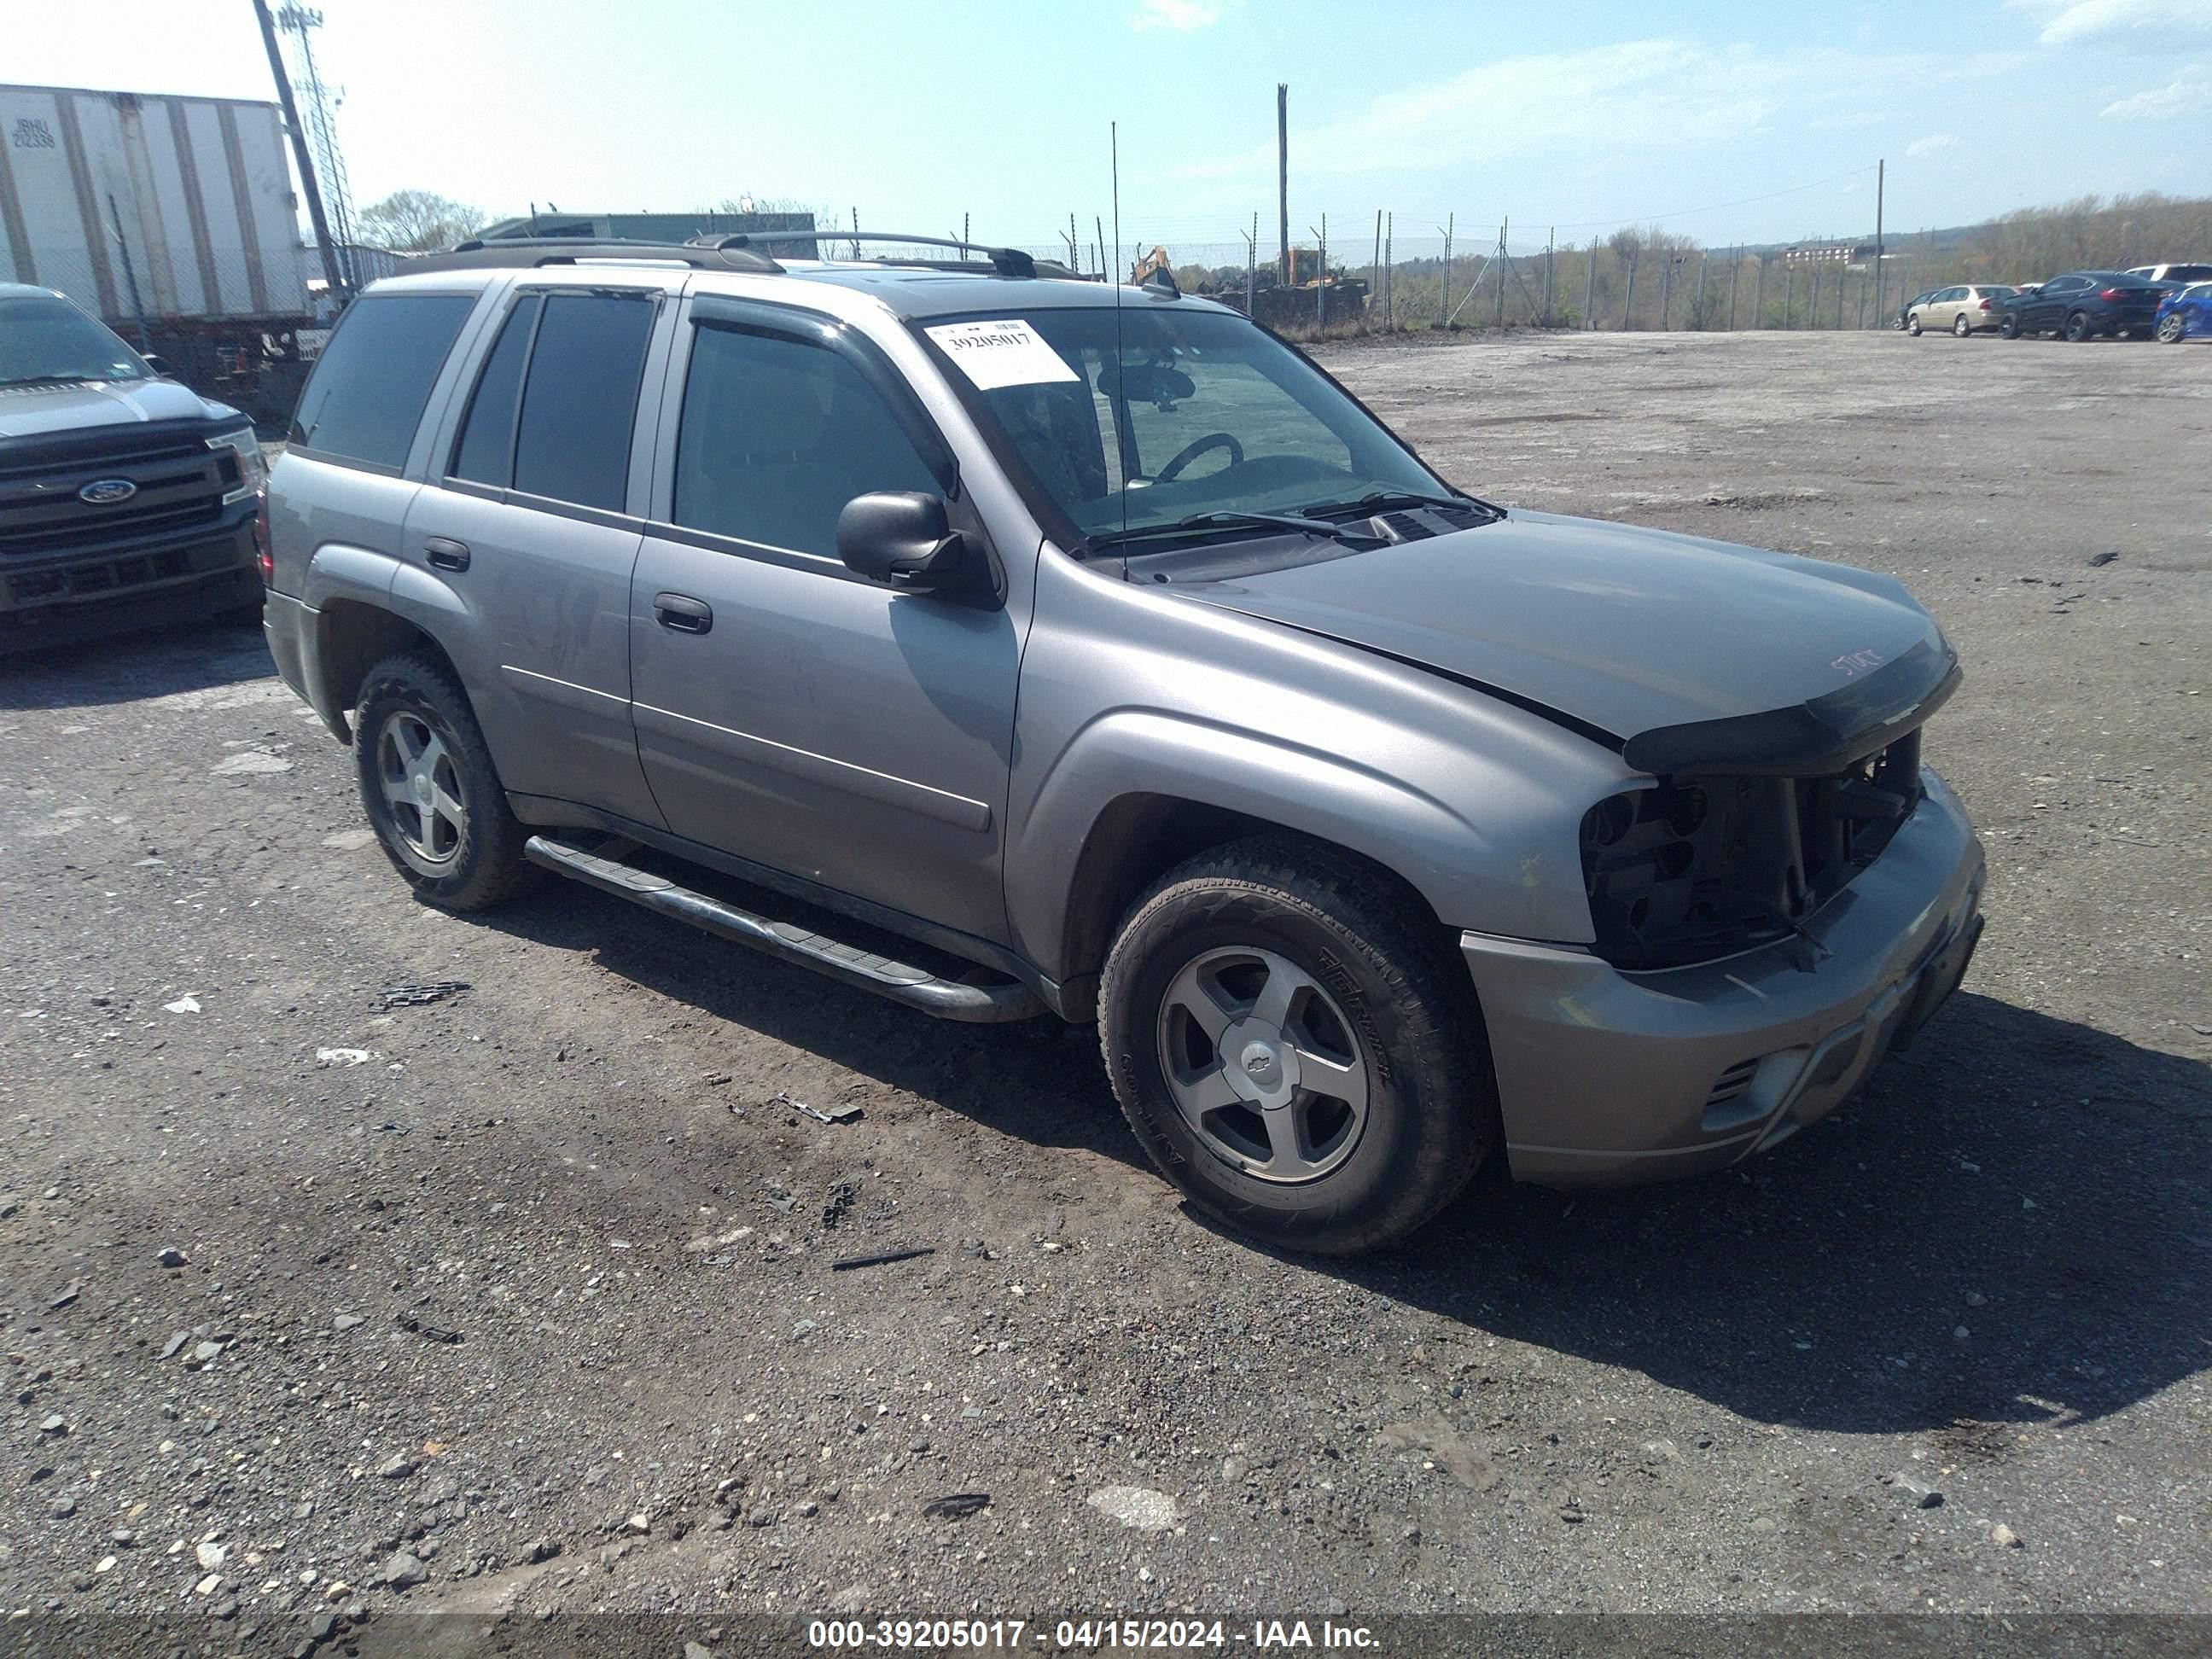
(571, 440)
(777, 434)
(375, 375)
(485, 453)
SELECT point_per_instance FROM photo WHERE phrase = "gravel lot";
(1947, 1351)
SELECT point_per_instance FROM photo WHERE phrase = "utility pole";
(1283, 174)
(129, 272)
(1498, 285)
(1789, 288)
(1589, 286)
(1736, 269)
(1374, 272)
(1550, 239)
(1628, 301)
(1880, 177)
(1666, 288)
(338, 295)
(1813, 308)
(1320, 276)
(330, 160)
(1443, 296)
(1391, 271)
(1759, 296)
(1251, 265)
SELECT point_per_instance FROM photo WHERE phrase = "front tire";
(430, 788)
(1912, 325)
(2171, 329)
(1295, 1044)
(2010, 327)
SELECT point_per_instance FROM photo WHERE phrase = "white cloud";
(1931, 144)
(1639, 95)
(2188, 92)
(1181, 15)
(2134, 25)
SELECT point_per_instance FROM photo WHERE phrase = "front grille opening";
(1698, 868)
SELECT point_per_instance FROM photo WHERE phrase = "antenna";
(337, 196)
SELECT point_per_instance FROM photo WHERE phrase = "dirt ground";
(526, 1291)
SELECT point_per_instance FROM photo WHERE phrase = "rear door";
(789, 712)
(528, 534)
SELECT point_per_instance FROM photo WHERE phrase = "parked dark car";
(1905, 311)
(2083, 304)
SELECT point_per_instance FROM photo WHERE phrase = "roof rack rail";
(532, 250)
(1006, 261)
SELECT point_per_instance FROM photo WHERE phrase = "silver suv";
(1008, 644)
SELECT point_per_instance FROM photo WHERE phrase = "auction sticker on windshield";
(1008, 352)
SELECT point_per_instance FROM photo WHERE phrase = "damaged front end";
(1751, 824)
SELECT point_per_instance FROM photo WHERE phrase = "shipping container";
(177, 215)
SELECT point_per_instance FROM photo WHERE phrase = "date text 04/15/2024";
(1089, 1635)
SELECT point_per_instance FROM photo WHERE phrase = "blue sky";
(1584, 115)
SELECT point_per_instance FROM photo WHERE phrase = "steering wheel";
(1173, 469)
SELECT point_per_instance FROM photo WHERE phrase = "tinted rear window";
(486, 451)
(582, 398)
(368, 393)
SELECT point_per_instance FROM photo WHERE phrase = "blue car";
(2186, 314)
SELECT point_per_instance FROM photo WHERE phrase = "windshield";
(46, 339)
(1151, 415)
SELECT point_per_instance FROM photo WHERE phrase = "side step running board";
(901, 982)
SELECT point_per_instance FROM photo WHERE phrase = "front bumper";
(1606, 1077)
(64, 598)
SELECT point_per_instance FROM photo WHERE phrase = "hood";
(1635, 632)
(40, 412)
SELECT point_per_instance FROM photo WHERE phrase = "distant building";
(1829, 253)
(657, 227)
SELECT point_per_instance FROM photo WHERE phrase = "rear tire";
(430, 790)
(1293, 1041)
(2077, 327)
(1961, 327)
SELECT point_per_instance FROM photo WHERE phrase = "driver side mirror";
(901, 538)
(158, 365)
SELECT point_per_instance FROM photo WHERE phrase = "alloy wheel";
(421, 787)
(1263, 1065)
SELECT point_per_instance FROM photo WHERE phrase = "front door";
(789, 712)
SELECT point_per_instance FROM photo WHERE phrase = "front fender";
(1475, 803)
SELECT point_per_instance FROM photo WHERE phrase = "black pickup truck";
(125, 498)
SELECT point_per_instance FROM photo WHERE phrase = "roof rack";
(508, 251)
(1006, 261)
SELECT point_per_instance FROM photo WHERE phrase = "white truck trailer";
(175, 215)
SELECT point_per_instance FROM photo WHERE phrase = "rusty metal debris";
(956, 1506)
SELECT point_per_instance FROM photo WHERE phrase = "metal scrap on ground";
(433, 1332)
(412, 996)
(835, 1114)
(851, 1261)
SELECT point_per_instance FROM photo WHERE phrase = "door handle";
(445, 553)
(682, 613)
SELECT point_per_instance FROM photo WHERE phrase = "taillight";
(263, 556)
(1985, 305)
(2109, 294)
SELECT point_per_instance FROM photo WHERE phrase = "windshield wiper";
(1230, 518)
(47, 380)
(1391, 501)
